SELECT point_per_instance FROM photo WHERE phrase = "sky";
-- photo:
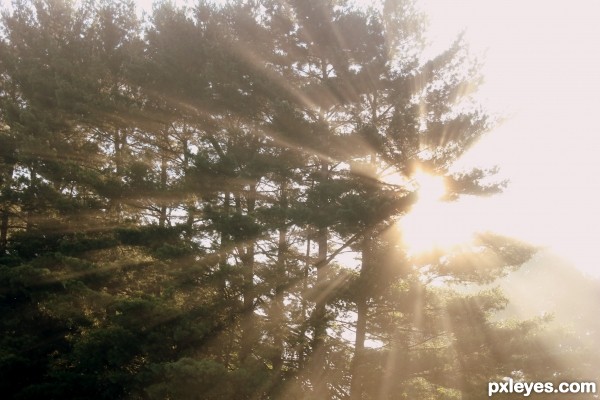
(542, 70)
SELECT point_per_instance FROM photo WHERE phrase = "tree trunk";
(278, 315)
(119, 140)
(34, 184)
(303, 308)
(362, 309)
(191, 202)
(225, 241)
(162, 219)
(3, 229)
(319, 322)
(5, 212)
(248, 292)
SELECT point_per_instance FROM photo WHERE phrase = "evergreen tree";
(174, 194)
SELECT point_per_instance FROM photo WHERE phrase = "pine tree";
(174, 195)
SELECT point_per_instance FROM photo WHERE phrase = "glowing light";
(553, 195)
(430, 188)
(433, 223)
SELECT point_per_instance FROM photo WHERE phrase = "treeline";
(176, 192)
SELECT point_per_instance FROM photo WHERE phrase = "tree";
(175, 193)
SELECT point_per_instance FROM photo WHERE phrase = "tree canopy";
(175, 193)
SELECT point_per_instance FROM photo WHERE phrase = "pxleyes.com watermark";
(528, 388)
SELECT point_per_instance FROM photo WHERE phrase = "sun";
(434, 223)
(430, 188)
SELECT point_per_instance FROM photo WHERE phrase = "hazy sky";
(543, 64)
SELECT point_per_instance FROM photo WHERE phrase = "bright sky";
(543, 67)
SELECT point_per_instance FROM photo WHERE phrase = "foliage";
(174, 192)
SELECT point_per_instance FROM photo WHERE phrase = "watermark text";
(527, 388)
